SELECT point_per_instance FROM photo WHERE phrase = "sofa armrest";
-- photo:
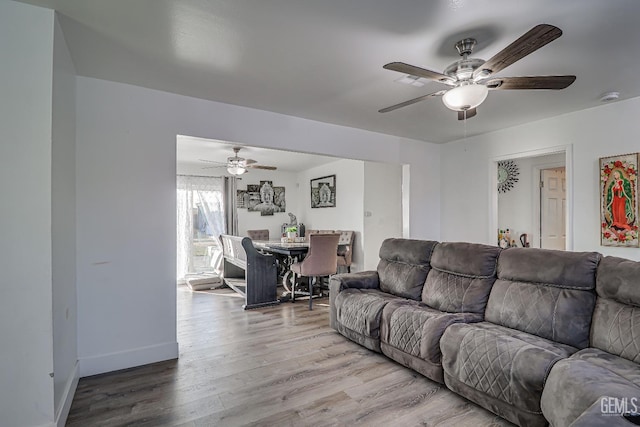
(339, 282)
(360, 280)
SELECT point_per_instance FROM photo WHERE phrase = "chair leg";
(293, 287)
(311, 280)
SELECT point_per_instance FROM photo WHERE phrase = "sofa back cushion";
(616, 318)
(545, 293)
(404, 265)
(461, 277)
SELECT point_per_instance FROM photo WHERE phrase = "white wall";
(26, 360)
(606, 130)
(347, 215)
(382, 208)
(126, 167)
(126, 228)
(65, 332)
(423, 163)
(516, 207)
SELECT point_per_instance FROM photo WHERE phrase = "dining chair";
(258, 234)
(321, 260)
(345, 250)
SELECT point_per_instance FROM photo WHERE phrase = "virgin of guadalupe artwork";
(619, 201)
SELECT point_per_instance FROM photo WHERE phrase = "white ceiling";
(322, 59)
(191, 151)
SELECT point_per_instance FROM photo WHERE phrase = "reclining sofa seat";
(539, 312)
(357, 299)
(456, 291)
(610, 367)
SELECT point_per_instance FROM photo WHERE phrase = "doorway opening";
(553, 205)
(536, 209)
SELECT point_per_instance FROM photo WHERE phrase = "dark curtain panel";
(231, 204)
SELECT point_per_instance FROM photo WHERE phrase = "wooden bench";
(249, 272)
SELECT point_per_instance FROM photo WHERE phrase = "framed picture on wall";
(619, 200)
(323, 192)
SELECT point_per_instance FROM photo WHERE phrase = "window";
(200, 221)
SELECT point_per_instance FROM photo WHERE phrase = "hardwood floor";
(275, 366)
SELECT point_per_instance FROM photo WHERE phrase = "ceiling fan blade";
(212, 161)
(532, 40)
(401, 67)
(249, 161)
(269, 168)
(467, 114)
(213, 167)
(532, 82)
(411, 101)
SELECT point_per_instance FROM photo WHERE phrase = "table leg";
(285, 278)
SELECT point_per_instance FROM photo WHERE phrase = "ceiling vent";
(609, 96)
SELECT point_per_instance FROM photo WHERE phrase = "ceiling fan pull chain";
(465, 131)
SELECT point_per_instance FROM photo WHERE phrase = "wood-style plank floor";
(275, 366)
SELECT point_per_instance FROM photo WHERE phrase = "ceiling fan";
(471, 78)
(237, 165)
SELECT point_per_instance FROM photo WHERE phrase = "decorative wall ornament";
(263, 198)
(507, 175)
(323, 192)
(619, 200)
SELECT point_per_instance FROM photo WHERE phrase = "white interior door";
(553, 205)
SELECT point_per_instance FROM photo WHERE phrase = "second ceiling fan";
(471, 78)
(237, 165)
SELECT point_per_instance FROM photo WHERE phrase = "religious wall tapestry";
(619, 200)
(264, 198)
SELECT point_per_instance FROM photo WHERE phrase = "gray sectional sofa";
(535, 336)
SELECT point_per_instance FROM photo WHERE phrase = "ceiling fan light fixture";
(236, 169)
(465, 97)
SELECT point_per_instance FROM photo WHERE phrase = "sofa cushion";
(594, 417)
(501, 369)
(619, 280)
(358, 314)
(578, 382)
(616, 318)
(404, 265)
(469, 259)
(570, 270)
(615, 329)
(411, 332)
(546, 293)
(461, 277)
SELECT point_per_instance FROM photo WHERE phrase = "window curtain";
(201, 220)
(231, 204)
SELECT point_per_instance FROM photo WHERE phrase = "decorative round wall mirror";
(507, 175)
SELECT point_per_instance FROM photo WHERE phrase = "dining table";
(287, 253)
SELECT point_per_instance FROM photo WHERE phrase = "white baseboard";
(100, 364)
(69, 391)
